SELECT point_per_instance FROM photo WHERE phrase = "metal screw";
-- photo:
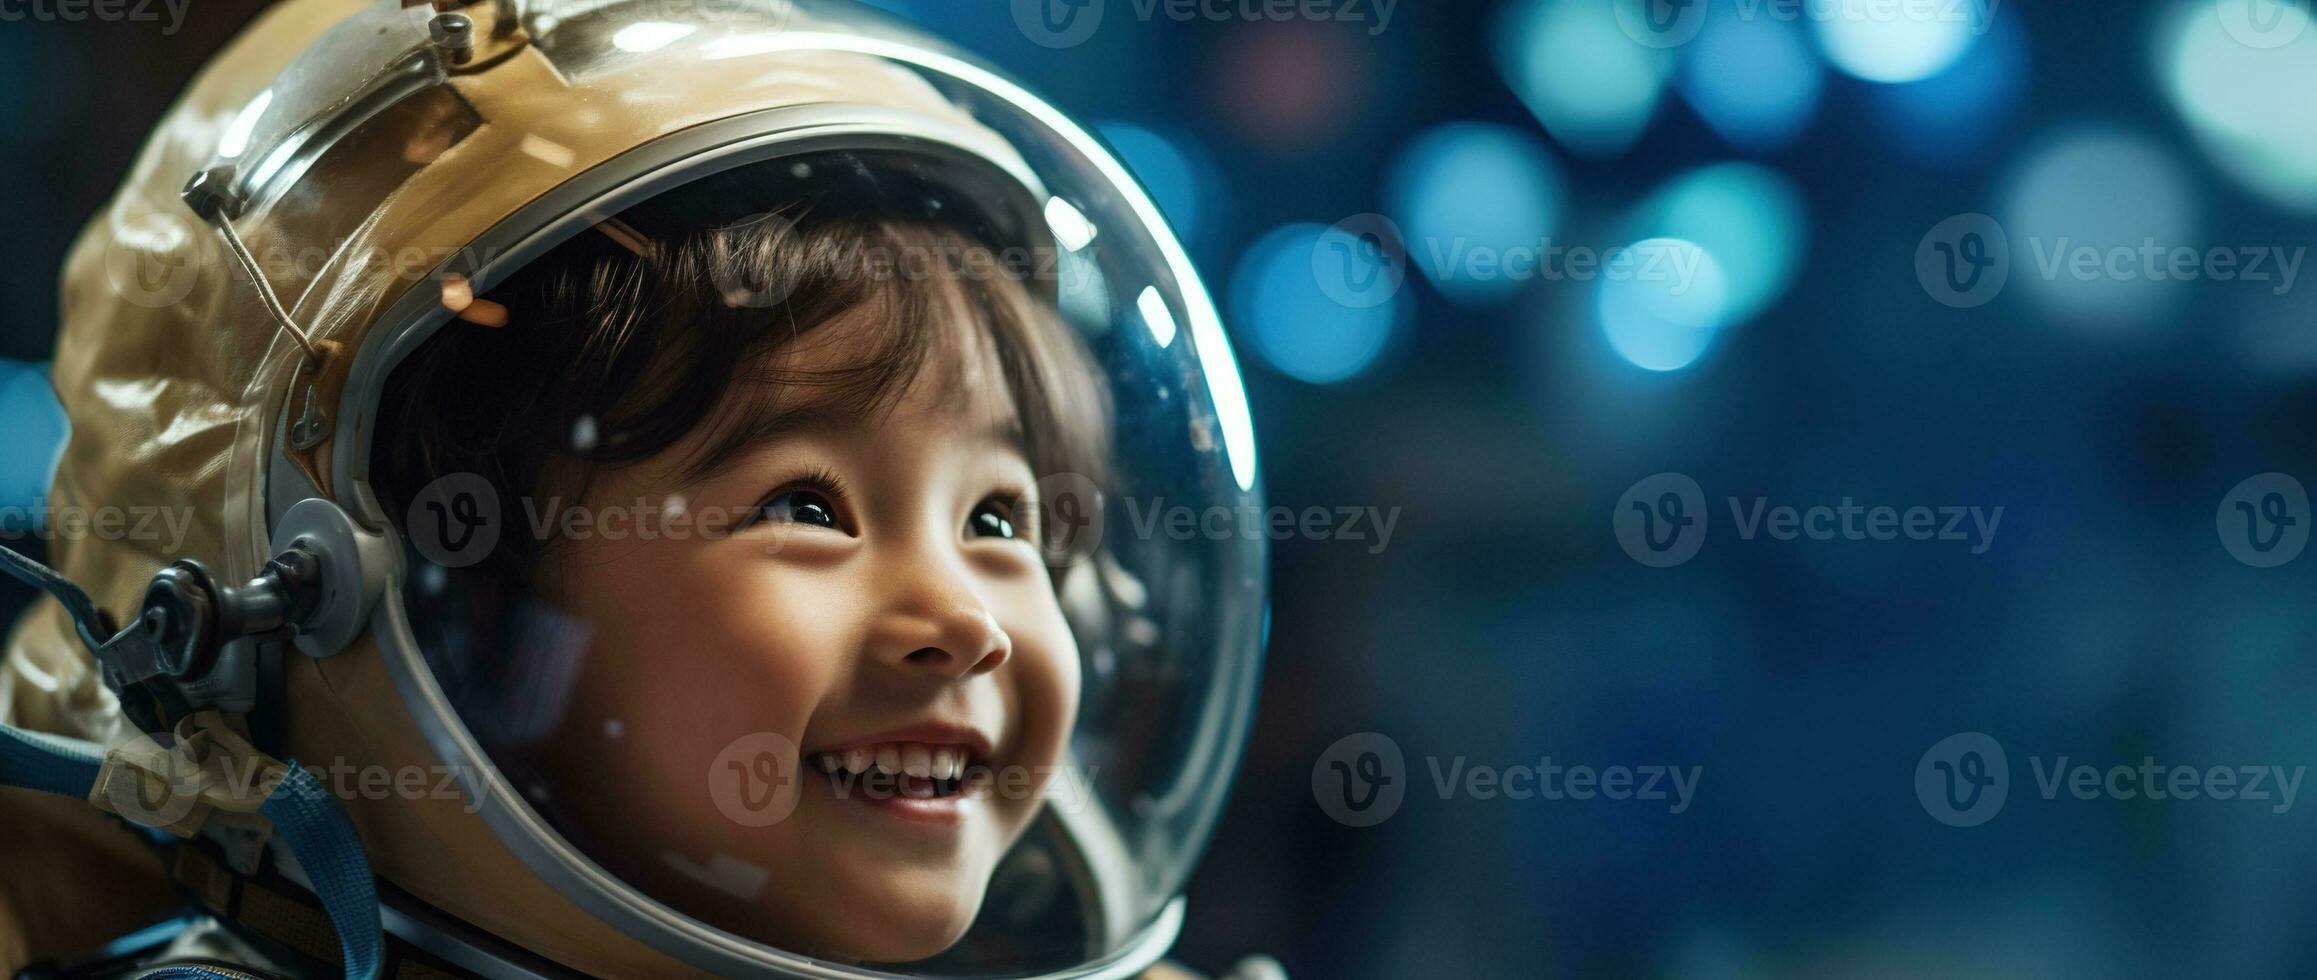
(454, 33)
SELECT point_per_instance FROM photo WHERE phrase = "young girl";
(782, 524)
(737, 626)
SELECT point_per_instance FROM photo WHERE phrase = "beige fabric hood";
(177, 381)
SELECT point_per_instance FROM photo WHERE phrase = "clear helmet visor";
(812, 533)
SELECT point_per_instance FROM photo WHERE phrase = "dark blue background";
(2107, 622)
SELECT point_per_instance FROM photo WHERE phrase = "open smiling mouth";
(903, 772)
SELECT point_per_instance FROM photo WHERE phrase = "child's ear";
(458, 296)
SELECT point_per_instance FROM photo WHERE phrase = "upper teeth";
(897, 758)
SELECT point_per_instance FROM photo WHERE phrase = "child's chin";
(900, 924)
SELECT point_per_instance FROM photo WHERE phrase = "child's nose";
(942, 628)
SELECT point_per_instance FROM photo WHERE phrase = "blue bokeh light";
(2081, 212)
(1297, 327)
(1177, 173)
(1467, 190)
(1754, 80)
(1667, 307)
(1749, 218)
(2244, 85)
(1591, 85)
(30, 443)
(1950, 117)
(1881, 41)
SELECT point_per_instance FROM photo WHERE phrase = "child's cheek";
(690, 654)
(1045, 687)
(762, 642)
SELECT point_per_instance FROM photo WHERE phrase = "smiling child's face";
(879, 607)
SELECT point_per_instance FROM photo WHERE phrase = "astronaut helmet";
(736, 434)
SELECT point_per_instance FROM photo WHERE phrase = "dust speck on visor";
(410, 231)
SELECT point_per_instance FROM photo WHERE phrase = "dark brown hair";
(632, 343)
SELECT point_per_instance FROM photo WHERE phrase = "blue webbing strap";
(301, 810)
(329, 851)
(49, 763)
(46, 579)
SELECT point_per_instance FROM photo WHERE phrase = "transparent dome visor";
(823, 546)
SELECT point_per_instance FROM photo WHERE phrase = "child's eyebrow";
(756, 430)
(768, 427)
(1005, 432)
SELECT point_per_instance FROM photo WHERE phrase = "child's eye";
(798, 507)
(810, 500)
(993, 519)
